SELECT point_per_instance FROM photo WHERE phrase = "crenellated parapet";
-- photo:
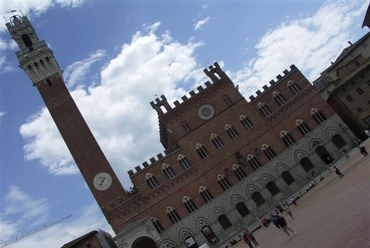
(146, 164)
(273, 82)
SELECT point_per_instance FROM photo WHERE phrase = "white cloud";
(310, 43)
(33, 213)
(200, 23)
(150, 65)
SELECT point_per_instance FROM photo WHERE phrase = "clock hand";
(102, 181)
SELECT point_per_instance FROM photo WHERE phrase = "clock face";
(206, 111)
(102, 181)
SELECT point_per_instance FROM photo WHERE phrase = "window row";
(206, 195)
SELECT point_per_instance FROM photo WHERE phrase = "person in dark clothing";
(363, 150)
(337, 171)
(284, 226)
(247, 239)
(250, 234)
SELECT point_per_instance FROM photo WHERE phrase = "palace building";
(227, 160)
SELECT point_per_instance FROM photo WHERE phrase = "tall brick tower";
(38, 61)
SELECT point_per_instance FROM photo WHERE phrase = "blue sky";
(117, 56)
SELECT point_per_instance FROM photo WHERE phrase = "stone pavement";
(335, 213)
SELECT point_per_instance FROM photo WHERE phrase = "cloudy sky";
(117, 56)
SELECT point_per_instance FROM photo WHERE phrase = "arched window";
(231, 131)
(258, 199)
(338, 141)
(173, 215)
(279, 98)
(217, 141)
(189, 204)
(287, 138)
(267, 150)
(293, 87)
(224, 221)
(157, 225)
(253, 161)
(306, 164)
(202, 151)
(318, 116)
(183, 161)
(246, 122)
(242, 209)
(272, 188)
(227, 100)
(27, 41)
(167, 170)
(151, 180)
(264, 109)
(287, 177)
(223, 182)
(205, 194)
(239, 172)
(302, 127)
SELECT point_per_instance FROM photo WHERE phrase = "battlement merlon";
(215, 73)
(161, 103)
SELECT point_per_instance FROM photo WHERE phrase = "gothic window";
(242, 209)
(253, 161)
(227, 100)
(231, 131)
(151, 180)
(217, 141)
(287, 138)
(287, 177)
(189, 204)
(205, 194)
(293, 87)
(202, 151)
(224, 221)
(239, 172)
(224, 183)
(267, 150)
(318, 116)
(173, 215)
(157, 225)
(279, 98)
(186, 126)
(258, 199)
(167, 170)
(264, 109)
(302, 127)
(183, 161)
(272, 188)
(246, 122)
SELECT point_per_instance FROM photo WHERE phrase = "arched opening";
(242, 209)
(272, 188)
(324, 155)
(224, 222)
(338, 141)
(144, 242)
(306, 164)
(27, 41)
(209, 235)
(287, 177)
(258, 199)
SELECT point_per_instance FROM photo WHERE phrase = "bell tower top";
(35, 57)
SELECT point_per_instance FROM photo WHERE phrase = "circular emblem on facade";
(102, 181)
(206, 111)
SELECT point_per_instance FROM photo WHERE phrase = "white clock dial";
(206, 111)
(102, 181)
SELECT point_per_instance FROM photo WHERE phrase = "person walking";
(250, 234)
(287, 209)
(247, 239)
(363, 150)
(337, 171)
(284, 226)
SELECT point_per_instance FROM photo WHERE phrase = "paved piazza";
(335, 213)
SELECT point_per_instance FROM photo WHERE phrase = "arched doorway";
(338, 141)
(210, 235)
(306, 164)
(324, 155)
(144, 242)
